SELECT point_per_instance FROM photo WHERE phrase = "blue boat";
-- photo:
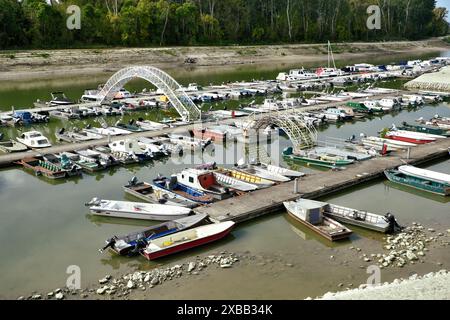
(416, 182)
(23, 117)
(132, 243)
(173, 186)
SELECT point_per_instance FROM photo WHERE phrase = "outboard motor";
(109, 243)
(133, 181)
(61, 131)
(393, 224)
(1, 136)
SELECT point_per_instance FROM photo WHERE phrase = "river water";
(44, 226)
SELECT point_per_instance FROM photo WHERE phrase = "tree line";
(42, 24)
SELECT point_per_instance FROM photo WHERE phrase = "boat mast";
(330, 56)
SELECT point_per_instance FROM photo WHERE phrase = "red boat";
(214, 134)
(188, 239)
(408, 137)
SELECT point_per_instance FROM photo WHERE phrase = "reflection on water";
(416, 192)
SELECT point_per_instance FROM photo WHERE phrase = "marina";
(168, 162)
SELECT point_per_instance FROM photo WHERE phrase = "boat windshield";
(34, 135)
(42, 141)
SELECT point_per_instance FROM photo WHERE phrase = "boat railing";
(356, 214)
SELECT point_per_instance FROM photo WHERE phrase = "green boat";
(320, 160)
(358, 107)
(425, 129)
(396, 176)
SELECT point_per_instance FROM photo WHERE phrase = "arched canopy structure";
(160, 79)
(301, 135)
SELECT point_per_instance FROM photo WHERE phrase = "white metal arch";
(301, 135)
(160, 79)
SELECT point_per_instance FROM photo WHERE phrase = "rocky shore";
(110, 287)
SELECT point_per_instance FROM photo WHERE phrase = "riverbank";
(431, 286)
(48, 64)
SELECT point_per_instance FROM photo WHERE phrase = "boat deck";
(261, 202)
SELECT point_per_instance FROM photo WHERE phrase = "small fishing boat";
(153, 194)
(152, 148)
(320, 160)
(60, 99)
(92, 161)
(233, 183)
(261, 183)
(262, 173)
(129, 127)
(204, 181)
(425, 174)
(311, 214)
(418, 179)
(110, 131)
(12, 146)
(392, 144)
(424, 129)
(186, 239)
(34, 139)
(76, 136)
(133, 243)
(360, 218)
(41, 167)
(173, 186)
(136, 210)
(63, 163)
(283, 171)
(132, 148)
(411, 137)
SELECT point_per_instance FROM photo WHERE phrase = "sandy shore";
(432, 286)
(47, 64)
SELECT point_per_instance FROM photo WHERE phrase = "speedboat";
(34, 139)
(136, 210)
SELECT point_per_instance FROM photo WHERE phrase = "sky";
(444, 3)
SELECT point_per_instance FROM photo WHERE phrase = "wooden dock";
(319, 184)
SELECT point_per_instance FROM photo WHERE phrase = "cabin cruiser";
(204, 181)
(60, 99)
(131, 147)
(387, 104)
(329, 72)
(34, 139)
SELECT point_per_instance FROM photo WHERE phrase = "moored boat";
(262, 173)
(136, 210)
(42, 168)
(283, 171)
(393, 144)
(320, 160)
(34, 139)
(425, 174)
(134, 242)
(411, 137)
(247, 177)
(204, 181)
(360, 218)
(12, 146)
(418, 182)
(311, 214)
(153, 194)
(424, 129)
(171, 185)
(186, 239)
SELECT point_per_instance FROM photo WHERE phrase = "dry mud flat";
(45, 64)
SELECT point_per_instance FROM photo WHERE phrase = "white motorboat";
(392, 144)
(136, 210)
(34, 139)
(189, 142)
(152, 148)
(110, 131)
(131, 147)
(387, 104)
(151, 125)
(262, 173)
(425, 174)
(12, 146)
(282, 171)
(373, 105)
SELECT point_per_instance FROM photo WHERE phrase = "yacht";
(34, 139)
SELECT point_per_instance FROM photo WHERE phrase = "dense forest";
(42, 24)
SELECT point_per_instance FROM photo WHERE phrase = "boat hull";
(132, 215)
(409, 139)
(336, 237)
(187, 245)
(417, 183)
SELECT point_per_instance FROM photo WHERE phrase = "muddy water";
(44, 228)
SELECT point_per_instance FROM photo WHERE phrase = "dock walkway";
(265, 201)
